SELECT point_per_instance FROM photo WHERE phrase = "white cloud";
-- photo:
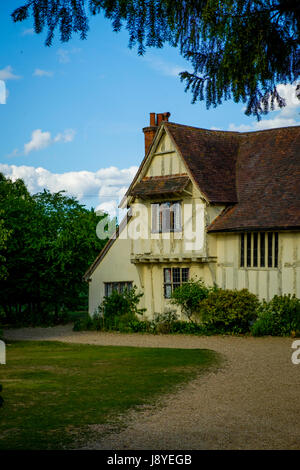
(28, 32)
(165, 68)
(12, 154)
(264, 124)
(3, 94)
(42, 73)
(285, 117)
(67, 136)
(40, 139)
(7, 74)
(64, 54)
(109, 207)
(106, 186)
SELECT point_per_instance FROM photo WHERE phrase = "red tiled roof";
(268, 182)
(210, 157)
(255, 174)
(160, 185)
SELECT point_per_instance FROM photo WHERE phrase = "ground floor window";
(174, 277)
(259, 250)
(117, 286)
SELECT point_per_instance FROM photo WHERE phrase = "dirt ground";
(252, 402)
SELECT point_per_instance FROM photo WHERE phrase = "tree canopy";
(48, 243)
(238, 50)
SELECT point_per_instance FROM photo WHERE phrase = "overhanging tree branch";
(243, 49)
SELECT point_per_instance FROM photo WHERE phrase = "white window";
(166, 217)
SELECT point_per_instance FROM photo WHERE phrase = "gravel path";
(253, 402)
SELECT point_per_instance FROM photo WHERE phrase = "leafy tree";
(52, 242)
(4, 235)
(17, 208)
(238, 49)
(67, 244)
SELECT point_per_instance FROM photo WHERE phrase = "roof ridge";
(199, 128)
(229, 132)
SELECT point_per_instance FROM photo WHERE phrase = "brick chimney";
(149, 132)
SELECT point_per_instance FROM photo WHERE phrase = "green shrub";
(138, 326)
(162, 322)
(229, 311)
(88, 323)
(189, 297)
(189, 328)
(118, 312)
(120, 308)
(278, 317)
(123, 322)
(167, 323)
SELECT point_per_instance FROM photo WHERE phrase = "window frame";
(165, 221)
(171, 284)
(259, 250)
(109, 286)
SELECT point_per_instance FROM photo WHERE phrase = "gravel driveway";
(253, 402)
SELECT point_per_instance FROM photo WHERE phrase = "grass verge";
(56, 392)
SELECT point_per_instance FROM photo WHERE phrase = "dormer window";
(166, 217)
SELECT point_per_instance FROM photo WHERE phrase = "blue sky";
(74, 112)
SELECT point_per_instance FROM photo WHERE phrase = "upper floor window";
(259, 250)
(109, 287)
(166, 217)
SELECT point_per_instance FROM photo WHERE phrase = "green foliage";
(233, 311)
(163, 322)
(189, 328)
(88, 323)
(278, 317)
(1, 398)
(238, 49)
(4, 236)
(120, 308)
(189, 297)
(169, 323)
(51, 242)
(138, 326)
(118, 312)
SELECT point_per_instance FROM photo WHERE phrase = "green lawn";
(53, 391)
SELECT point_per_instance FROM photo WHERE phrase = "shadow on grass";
(56, 393)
